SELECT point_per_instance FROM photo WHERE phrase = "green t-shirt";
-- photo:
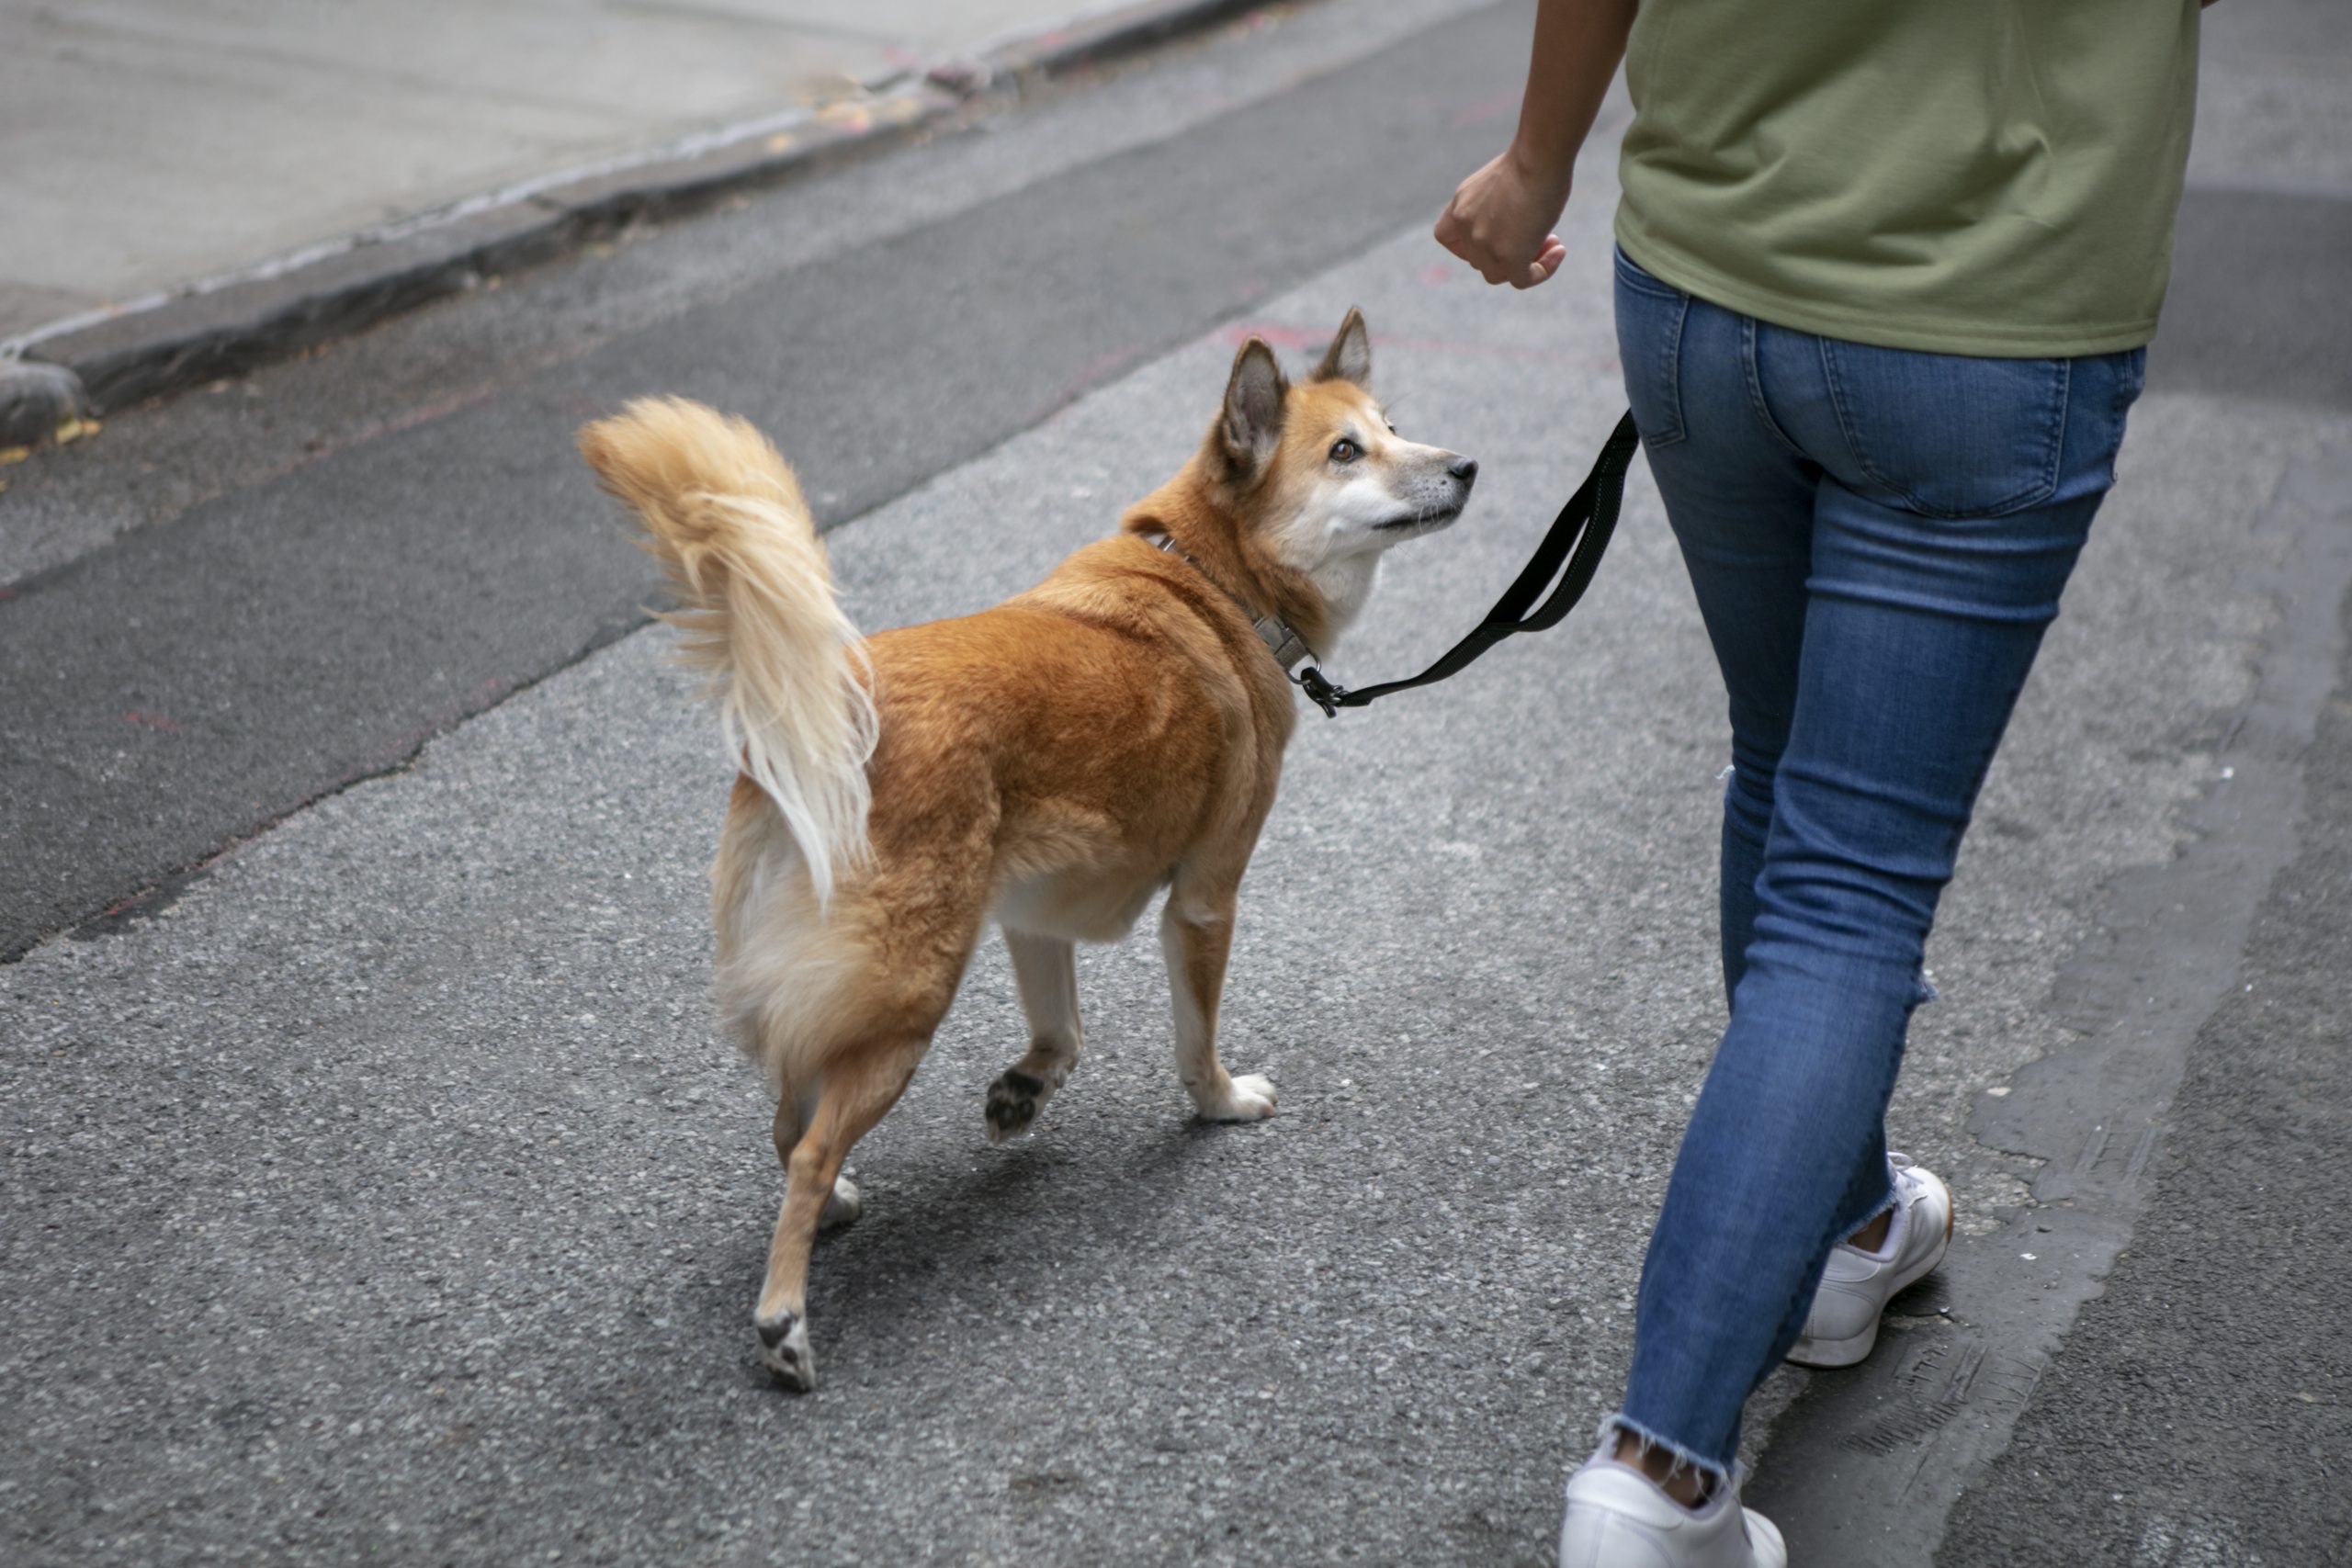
(1993, 177)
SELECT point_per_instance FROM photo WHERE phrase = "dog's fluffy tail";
(724, 515)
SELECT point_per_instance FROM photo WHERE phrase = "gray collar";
(1281, 639)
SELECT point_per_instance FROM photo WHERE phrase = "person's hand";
(1501, 223)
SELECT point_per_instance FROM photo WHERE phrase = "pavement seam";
(167, 887)
(223, 327)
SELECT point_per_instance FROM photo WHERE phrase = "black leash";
(1578, 536)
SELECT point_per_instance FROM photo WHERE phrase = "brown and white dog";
(1052, 762)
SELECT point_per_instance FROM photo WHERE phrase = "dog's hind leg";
(842, 1205)
(861, 1084)
(850, 1012)
(1195, 934)
(1046, 969)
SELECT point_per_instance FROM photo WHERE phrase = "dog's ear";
(1252, 423)
(1350, 356)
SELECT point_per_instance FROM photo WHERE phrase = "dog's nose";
(1463, 469)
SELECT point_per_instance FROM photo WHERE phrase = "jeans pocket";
(1950, 436)
(1649, 342)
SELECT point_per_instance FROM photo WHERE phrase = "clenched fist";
(1501, 223)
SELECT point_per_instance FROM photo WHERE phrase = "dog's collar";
(1281, 638)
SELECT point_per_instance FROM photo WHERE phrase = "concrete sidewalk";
(193, 185)
(155, 143)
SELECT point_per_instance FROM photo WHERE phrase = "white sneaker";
(1857, 1285)
(1617, 1517)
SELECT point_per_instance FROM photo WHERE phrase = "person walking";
(1886, 272)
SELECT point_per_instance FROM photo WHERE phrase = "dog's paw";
(842, 1208)
(784, 1347)
(1247, 1099)
(1015, 1100)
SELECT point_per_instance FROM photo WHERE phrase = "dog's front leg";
(1046, 969)
(1195, 934)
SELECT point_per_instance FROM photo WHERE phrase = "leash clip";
(1319, 691)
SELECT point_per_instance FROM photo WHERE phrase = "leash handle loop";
(1570, 551)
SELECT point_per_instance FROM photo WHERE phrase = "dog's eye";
(1345, 451)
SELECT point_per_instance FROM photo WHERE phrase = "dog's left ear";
(1251, 426)
(1350, 356)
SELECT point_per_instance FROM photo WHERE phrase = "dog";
(1052, 763)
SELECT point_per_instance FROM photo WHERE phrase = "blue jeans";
(1877, 538)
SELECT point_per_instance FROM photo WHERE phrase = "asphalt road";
(380, 1191)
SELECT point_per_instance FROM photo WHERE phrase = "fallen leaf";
(15, 453)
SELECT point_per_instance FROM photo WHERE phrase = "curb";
(204, 334)
(1113, 35)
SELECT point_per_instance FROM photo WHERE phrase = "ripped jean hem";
(1621, 1425)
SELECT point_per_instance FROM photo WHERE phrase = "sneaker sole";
(1834, 1353)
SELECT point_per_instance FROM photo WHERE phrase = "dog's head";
(1317, 478)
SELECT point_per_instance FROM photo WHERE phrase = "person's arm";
(1500, 219)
